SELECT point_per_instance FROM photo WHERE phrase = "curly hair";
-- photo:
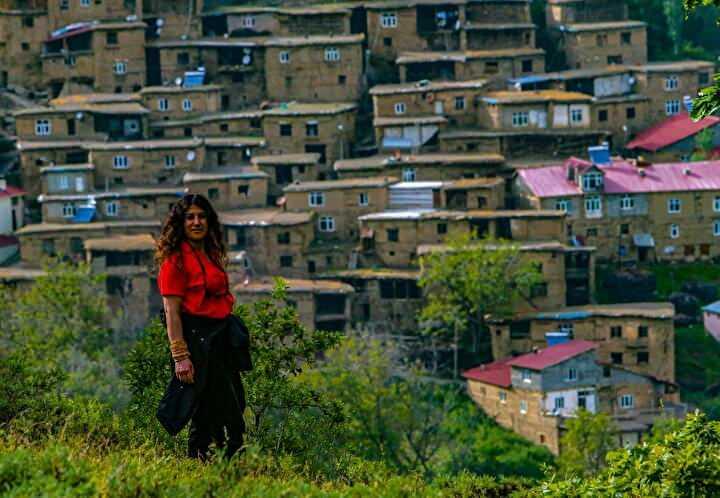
(173, 231)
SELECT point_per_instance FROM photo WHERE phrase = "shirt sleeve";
(172, 281)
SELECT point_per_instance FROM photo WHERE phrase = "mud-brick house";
(596, 44)
(321, 304)
(636, 336)
(631, 210)
(315, 68)
(172, 19)
(540, 109)
(269, 241)
(232, 150)
(19, 277)
(409, 134)
(284, 169)
(105, 57)
(561, 12)
(424, 167)
(497, 24)
(495, 66)
(65, 13)
(237, 123)
(675, 139)
(457, 101)
(180, 102)
(23, 29)
(339, 203)
(35, 155)
(230, 187)
(671, 85)
(327, 129)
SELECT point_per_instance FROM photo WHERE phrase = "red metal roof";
(8, 240)
(670, 131)
(552, 355)
(496, 373)
(622, 177)
(11, 191)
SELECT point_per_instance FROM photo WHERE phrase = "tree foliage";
(586, 443)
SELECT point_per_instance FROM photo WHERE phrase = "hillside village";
(341, 142)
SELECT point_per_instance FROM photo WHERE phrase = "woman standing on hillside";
(205, 338)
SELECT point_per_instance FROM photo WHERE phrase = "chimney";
(600, 154)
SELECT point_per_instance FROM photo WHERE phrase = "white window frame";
(169, 162)
(627, 202)
(503, 397)
(332, 54)
(523, 407)
(593, 206)
(672, 82)
(163, 104)
(79, 184)
(64, 182)
(400, 107)
(716, 228)
(363, 199)
(68, 210)
(520, 119)
(716, 204)
(526, 376)
(312, 125)
(576, 115)
(43, 127)
(593, 180)
(562, 205)
(316, 199)
(627, 401)
(674, 231)
(326, 224)
(120, 67)
(572, 374)
(187, 105)
(559, 403)
(111, 208)
(672, 107)
(247, 21)
(388, 20)
(674, 205)
(85, 3)
(460, 103)
(409, 174)
(121, 162)
(284, 57)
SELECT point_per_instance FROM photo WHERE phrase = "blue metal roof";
(564, 315)
(600, 154)
(527, 80)
(84, 214)
(193, 78)
(397, 143)
(713, 308)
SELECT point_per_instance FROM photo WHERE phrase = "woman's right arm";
(183, 369)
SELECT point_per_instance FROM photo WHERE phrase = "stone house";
(597, 44)
(239, 123)
(179, 102)
(102, 57)
(540, 109)
(284, 169)
(637, 336)
(23, 29)
(632, 211)
(560, 12)
(63, 14)
(339, 203)
(230, 187)
(35, 155)
(534, 394)
(410, 134)
(172, 19)
(674, 139)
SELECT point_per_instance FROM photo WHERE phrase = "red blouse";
(203, 286)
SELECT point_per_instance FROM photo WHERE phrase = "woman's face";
(196, 225)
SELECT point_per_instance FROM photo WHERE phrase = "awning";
(84, 214)
(643, 240)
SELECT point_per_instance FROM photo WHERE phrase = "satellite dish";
(160, 22)
(246, 60)
(191, 156)
(178, 81)
(632, 80)
(79, 116)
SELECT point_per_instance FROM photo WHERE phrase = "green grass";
(697, 366)
(671, 277)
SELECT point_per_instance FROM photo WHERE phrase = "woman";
(198, 306)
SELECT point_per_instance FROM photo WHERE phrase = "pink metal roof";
(670, 131)
(496, 373)
(11, 191)
(621, 177)
(552, 355)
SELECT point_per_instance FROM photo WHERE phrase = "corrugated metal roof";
(496, 373)
(713, 308)
(552, 355)
(670, 131)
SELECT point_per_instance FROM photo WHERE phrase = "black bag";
(239, 337)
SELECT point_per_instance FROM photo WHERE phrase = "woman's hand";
(185, 371)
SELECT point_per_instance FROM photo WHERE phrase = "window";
(183, 59)
(111, 38)
(616, 358)
(601, 39)
(614, 59)
(492, 67)
(213, 194)
(169, 162)
(285, 130)
(523, 406)
(630, 113)
(68, 210)
(527, 66)
(482, 202)
(576, 115)
(111, 208)
(572, 374)
(672, 107)
(224, 127)
(316, 199)
(163, 104)
(560, 403)
(526, 376)
(591, 232)
(43, 127)
(643, 331)
(332, 54)
(25, 46)
(562, 205)
(187, 105)
(283, 238)
(120, 67)
(592, 181)
(627, 202)
(593, 206)
(188, 132)
(388, 20)
(643, 357)
(671, 83)
(326, 224)
(400, 108)
(84, 3)
(627, 401)
(286, 261)
(441, 228)
(616, 331)
(520, 119)
(408, 174)
(626, 38)
(503, 397)
(716, 228)
(363, 199)
(716, 204)
(703, 78)
(393, 234)
(674, 205)
(459, 103)
(243, 190)
(624, 229)
(539, 290)
(120, 162)
(48, 247)
(674, 231)
(284, 57)
(311, 129)
(607, 371)
(28, 22)
(602, 115)
(63, 182)
(387, 41)
(399, 289)
(247, 21)
(342, 79)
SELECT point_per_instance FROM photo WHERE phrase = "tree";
(708, 100)
(469, 280)
(704, 142)
(585, 445)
